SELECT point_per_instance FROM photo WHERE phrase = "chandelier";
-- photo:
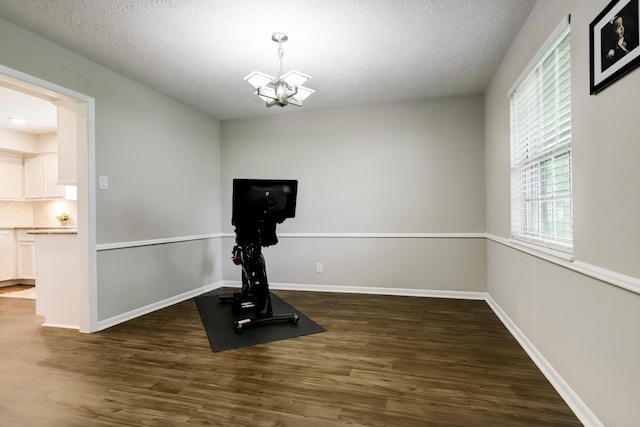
(287, 88)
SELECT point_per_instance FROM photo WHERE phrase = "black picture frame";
(611, 56)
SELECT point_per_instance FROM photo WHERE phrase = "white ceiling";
(357, 51)
(40, 116)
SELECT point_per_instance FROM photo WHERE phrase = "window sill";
(566, 256)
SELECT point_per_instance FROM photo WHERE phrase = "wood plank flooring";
(384, 361)
(14, 288)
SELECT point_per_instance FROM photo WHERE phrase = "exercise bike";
(258, 205)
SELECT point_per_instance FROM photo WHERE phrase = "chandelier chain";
(280, 55)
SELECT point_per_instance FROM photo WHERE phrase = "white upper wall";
(47, 142)
(16, 141)
(408, 167)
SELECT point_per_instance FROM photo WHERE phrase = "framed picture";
(614, 39)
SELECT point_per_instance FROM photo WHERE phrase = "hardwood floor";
(384, 361)
(14, 288)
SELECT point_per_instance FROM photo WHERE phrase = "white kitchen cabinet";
(26, 251)
(52, 190)
(41, 177)
(6, 255)
(33, 178)
(72, 130)
(11, 177)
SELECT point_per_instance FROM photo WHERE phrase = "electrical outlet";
(319, 267)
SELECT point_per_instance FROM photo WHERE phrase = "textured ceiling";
(357, 51)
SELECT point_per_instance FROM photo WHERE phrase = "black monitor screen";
(263, 200)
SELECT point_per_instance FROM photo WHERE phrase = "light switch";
(104, 182)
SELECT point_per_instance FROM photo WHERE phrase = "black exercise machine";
(258, 205)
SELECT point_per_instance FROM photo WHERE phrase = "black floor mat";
(218, 320)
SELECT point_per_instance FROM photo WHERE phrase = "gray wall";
(586, 329)
(162, 159)
(399, 168)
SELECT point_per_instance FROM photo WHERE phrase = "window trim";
(554, 248)
(541, 52)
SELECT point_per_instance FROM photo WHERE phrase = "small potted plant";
(63, 218)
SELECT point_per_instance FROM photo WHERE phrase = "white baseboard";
(580, 409)
(130, 315)
(381, 291)
(54, 325)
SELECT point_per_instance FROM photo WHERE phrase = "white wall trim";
(541, 52)
(130, 315)
(376, 235)
(60, 326)
(628, 283)
(631, 284)
(151, 242)
(370, 290)
(581, 410)
(549, 250)
(19, 75)
(88, 305)
(137, 243)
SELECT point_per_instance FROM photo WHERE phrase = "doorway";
(79, 109)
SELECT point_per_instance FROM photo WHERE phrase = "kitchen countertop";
(54, 231)
(40, 228)
(44, 230)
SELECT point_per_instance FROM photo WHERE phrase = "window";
(541, 201)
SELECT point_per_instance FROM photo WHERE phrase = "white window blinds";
(541, 200)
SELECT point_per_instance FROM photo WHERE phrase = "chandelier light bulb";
(287, 88)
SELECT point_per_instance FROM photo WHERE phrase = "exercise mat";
(218, 320)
